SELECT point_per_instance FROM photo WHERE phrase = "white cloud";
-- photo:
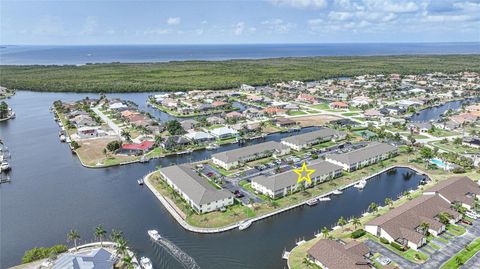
(174, 21)
(316, 4)
(49, 25)
(449, 18)
(340, 16)
(90, 25)
(279, 26)
(156, 31)
(238, 28)
(390, 6)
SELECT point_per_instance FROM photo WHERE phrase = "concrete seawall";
(171, 208)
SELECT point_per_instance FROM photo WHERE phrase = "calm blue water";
(20, 55)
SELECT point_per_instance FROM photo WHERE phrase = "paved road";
(106, 119)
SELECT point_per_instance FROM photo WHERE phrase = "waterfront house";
(307, 98)
(199, 137)
(202, 196)
(224, 132)
(460, 189)
(215, 120)
(175, 141)
(237, 157)
(83, 121)
(360, 101)
(420, 127)
(356, 159)
(188, 124)
(136, 148)
(372, 114)
(471, 142)
(281, 184)
(284, 122)
(92, 258)
(306, 140)
(332, 254)
(88, 132)
(338, 105)
(403, 224)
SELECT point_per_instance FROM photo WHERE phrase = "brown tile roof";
(401, 222)
(455, 189)
(334, 255)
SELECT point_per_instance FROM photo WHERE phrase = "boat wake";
(182, 257)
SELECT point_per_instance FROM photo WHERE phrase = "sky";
(91, 22)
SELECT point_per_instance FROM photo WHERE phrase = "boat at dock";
(146, 263)
(63, 138)
(361, 184)
(212, 146)
(312, 202)
(140, 181)
(185, 152)
(244, 225)
(154, 235)
(337, 192)
(5, 166)
(324, 199)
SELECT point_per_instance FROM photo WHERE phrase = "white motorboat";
(337, 192)
(154, 235)
(146, 263)
(4, 166)
(63, 138)
(312, 202)
(212, 146)
(140, 181)
(361, 184)
(244, 225)
(324, 199)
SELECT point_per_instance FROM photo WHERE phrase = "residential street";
(106, 119)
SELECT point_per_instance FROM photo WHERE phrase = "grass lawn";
(442, 133)
(454, 148)
(456, 230)
(348, 114)
(464, 255)
(296, 113)
(324, 145)
(419, 136)
(322, 106)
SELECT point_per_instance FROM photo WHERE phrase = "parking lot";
(437, 257)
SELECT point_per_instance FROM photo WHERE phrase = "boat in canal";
(140, 181)
(5, 166)
(312, 202)
(337, 192)
(361, 184)
(146, 263)
(154, 235)
(244, 225)
(63, 138)
(212, 146)
(324, 199)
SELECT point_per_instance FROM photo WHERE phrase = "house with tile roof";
(202, 196)
(332, 254)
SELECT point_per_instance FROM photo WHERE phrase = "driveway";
(106, 119)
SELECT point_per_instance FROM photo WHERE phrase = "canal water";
(434, 113)
(51, 193)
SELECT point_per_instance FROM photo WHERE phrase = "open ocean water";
(77, 55)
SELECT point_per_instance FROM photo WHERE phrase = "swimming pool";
(439, 163)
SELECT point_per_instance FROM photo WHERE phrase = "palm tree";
(121, 246)
(325, 232)
(444, 218)
(127, 261)
(356, 222)
(373, 207)
(424, 227)
(306, 261)
(389, 202)
(100, 233)
(126, 134)
(116, 235)
(73, 235)
(341, 222)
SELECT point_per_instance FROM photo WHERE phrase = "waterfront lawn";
(442, 133)
(409, 254)
(296, 113)
(348, 114)
(324, 145)
(463, 256)
(449, 146)
(456, 230)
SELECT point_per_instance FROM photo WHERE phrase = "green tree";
(373, 207)
(116, 235)
(73, 235)
(341, 222)
(174, 127)
(389, 202)
(100, 233)
(126, 135)
(3, 110)
(424, 227)
(356, 222)
(325, 232)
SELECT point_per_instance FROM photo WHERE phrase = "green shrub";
(42, 253)
(358, 233)
(383, 240)
(397, 246)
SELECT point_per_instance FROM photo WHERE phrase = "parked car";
(239, 195)
(466, 221)
(209, 174)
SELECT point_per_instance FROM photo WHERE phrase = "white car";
(470, 215)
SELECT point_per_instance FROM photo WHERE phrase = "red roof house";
(137, 148)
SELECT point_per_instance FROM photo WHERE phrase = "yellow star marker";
(304, 173)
